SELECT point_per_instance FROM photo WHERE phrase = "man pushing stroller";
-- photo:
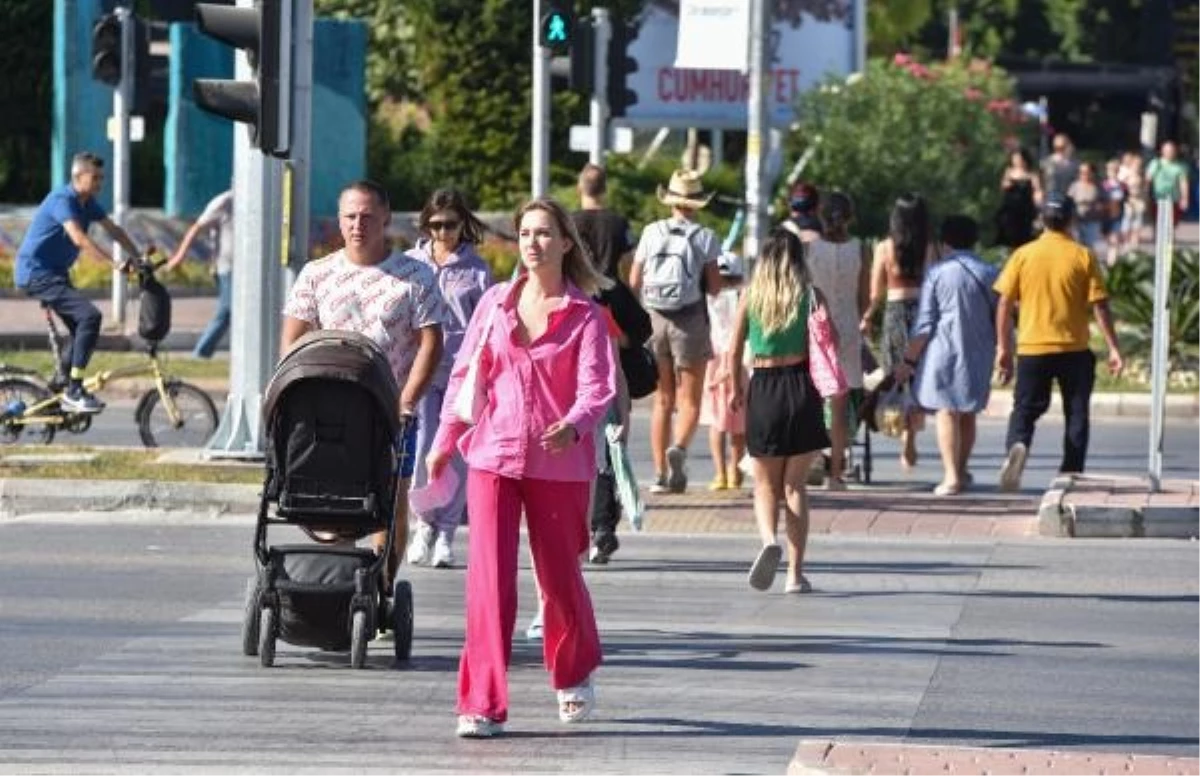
(369, 288)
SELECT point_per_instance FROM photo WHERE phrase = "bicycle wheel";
(196, 411)
(16, 394)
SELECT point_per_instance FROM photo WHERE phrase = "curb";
(1061, 516)
(1107, 405)
(26, 496)
(832, 758)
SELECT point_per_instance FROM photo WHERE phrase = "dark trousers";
(606, 511)
(1075, 374)
(80, 315)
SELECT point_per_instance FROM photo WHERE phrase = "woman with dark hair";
(449, 234)
(840, 270)
(896, 276)
(1021, 194)
(785, 427)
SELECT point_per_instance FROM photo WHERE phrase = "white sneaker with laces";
(470, 726)
(443, 553)
(1013, 468)
(421, 546)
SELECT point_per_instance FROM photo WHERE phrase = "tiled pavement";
(884, 512)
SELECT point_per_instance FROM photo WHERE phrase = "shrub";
(1131, 291)
(940, 130)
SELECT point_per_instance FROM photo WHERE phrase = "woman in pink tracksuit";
(549, 376)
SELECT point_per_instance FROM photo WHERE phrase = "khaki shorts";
(682, 337)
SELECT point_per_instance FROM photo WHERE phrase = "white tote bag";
(472, 396)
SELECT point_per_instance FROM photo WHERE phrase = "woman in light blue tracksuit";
(449, 234)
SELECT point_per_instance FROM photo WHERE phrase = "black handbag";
(641, 371)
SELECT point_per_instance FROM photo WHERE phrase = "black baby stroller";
(330, 418)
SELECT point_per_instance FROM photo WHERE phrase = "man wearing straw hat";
(674, 265)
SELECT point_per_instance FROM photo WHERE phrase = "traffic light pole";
(540, 163)
(122, 100)
(756, 130)
(602, 34)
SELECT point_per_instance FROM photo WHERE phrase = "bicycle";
(172, 413)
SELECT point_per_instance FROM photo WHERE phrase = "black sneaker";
(76, 399)
(603, 546)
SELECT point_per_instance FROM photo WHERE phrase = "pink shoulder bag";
(824, 366)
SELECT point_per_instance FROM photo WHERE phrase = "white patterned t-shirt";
(389, 302)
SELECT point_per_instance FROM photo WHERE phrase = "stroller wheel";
(402, 619)
(250, 619)
(266, 637)
(358, 639)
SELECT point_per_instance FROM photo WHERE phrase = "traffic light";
(265, 34)
(620, 67)
(556, 29)
(583, 57)
(106, 50)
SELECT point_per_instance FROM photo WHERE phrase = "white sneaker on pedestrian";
(421, 546)
(676, 469)
(1013, 468)
(660, 485)
(443, 553)
(534, 631)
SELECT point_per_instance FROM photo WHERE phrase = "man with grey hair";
(56, 236)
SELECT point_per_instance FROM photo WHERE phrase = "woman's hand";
(559, 436)
(435, 462)
(737, 397)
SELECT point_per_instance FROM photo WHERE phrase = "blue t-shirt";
(46, 248)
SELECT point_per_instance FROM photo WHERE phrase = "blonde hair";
(577, 263)
(779, 281)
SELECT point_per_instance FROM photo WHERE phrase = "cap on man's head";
(1058, 206)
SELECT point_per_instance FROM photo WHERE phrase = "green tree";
(25, 99)
(938, 130)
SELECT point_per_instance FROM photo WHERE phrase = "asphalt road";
(119, 652)
(1118, 444)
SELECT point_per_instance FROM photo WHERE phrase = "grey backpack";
(671, 276)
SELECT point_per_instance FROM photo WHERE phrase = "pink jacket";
(567, 373)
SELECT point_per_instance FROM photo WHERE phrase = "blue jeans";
(220, 321)
(80, 315)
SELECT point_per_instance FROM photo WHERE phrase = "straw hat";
(685, 190)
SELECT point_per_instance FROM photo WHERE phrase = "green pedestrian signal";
(556, 29)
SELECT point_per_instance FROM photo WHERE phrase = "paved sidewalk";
(815, 757)
(1113, 505)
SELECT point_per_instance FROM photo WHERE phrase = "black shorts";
(784, 413)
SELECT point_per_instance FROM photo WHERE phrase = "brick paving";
(874, 511)
(836, 758)
(1116, 490)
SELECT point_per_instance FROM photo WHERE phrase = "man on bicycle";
(56, 235)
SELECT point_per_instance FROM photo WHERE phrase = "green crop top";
(792, 341)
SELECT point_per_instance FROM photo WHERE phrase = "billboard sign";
(809, 39)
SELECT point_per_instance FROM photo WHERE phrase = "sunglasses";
(437, 226)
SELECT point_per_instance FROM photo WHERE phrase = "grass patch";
(177, 365)
(124, 464)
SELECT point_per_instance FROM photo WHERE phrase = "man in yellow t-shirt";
(1055, 280)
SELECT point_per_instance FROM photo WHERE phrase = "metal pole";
(756, 128)
(602, 34)
(257, 292)
(860, 36)
(302, 38)
(540, 168)
(1164, 249)
(122, 100)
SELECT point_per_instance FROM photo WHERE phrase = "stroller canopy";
(344, 356)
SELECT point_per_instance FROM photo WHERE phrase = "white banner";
(714, 35)
(813, 39)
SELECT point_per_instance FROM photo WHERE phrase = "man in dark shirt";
(606, 233)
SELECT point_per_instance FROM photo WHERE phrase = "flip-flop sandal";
(762, 573)
(582, 697)
(800, 587)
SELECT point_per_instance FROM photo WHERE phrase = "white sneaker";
(421, 546)
(478, 727)
(1013, 468)
(534, 631)
(443, 554)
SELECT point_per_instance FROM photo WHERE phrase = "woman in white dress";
(841, 270)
